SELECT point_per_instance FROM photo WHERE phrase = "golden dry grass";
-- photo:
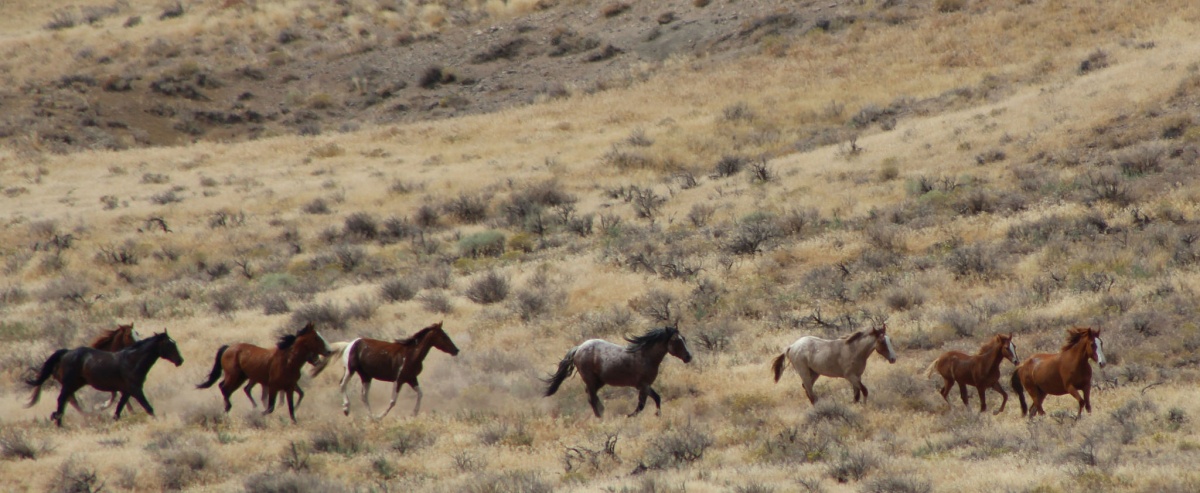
(483, 409)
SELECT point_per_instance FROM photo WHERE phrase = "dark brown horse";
(114, 340)
(123, 371)
(277, 370)
(1066, 372)
(603, 363)
(399, 362)
(981, 370)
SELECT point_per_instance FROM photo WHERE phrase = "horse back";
(97, 368)
(600, 361)
(250, 360)
(1043, 371)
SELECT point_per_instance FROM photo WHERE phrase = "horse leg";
(300, 395)
(63, 397)
(232, 381)
(856, 382)
(962, 392)
(345, 399)
(141, 399)
(1003, 395)
(291, 406)
(270, 399)
(254, 403)
(395, 392)
(945, 391)
(112, 398)
(75, 404)
(1087, 399)
(657, 402)
(982, 398)
(1075, 393)
(643, 393)
(420, 394)
(366, 390)
(594, 400)
(1038, 397)
(121, 405)
(808, 377)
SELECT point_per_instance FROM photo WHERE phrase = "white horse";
(845, 357)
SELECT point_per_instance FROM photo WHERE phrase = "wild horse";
(123, 371)
(277, 370)
(981, 370)
(1065, 372)
(400, 362)
(603, 363)
(845, 357)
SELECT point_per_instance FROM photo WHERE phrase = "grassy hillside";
(954, 168)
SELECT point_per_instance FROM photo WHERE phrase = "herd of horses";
(119, 360)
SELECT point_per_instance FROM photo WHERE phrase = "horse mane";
(1075, 335)
(108, 336)
(412, 340)
(855, 336)
(651, 337)
(990, 344)
(286, 341)
(145, 342)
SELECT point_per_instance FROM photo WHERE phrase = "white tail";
(339, 350)
(929, 371)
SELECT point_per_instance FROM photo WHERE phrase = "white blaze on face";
(1099, 351)
(891, 352)
(324, 343)
(1012, 349)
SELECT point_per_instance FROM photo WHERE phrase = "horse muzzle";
(891, 361)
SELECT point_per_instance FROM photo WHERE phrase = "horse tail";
(338, 348)
(1020, 390)
(778, 364)
(932, 367)
(565, 368)
(47, 370)
(216, 371)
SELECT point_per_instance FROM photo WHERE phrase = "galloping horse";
(981, 370)
(400, 362)
(845, 357)
(277, 370)
(1066, 372)
(114, 340)
(603, 363)
(123, 371)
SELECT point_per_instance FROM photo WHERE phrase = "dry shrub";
(292, 482)
(896, 484)
(753, 233)
(361, 226)
(182, 458)
(362, 308)
(828, 411)
(468, 209)
(482, 244)
(1096, 60)
(436, 302)
(507, 482)
(489, 288)
(75, 476)
(342, 440)
(316, 206)
(394, 290)
(798, 444)
(410, 437)
(852, 465)
(614, 9)
(17, 444)
(658, 306)
(325, 316)
(729, 165)
(678, 447)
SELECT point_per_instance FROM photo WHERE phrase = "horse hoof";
(346, 412)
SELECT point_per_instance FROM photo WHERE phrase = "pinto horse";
(603, 363)
(123, 371)
(276, 370)
(1065, 372)
(981, 370)
(399, 362)
(845, 357)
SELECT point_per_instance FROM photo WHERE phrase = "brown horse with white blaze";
(981, 370)
(1065, 372)
(399, 362)
(277, 370)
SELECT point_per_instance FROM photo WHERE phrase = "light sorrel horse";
(123, 371)
(603, 363)
(981, 370)
(277, 370)
(399, 362)
(845, 357)
(1065, 372)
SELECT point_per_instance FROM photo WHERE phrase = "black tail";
(216, 371)
(47, 370)
(565, 368)
(1020, 390)
(778, 364)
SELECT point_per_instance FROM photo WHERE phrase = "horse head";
(1009, 350)
(310, 343)
(883, 343)
(128, 334)
(166, 348)
(1096, 347)
(677, 346)
(441, 340)
(1093, 346)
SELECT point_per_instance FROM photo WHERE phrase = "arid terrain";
(538, 173)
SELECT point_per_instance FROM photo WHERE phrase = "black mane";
(650, 338)
(409, 341)
(286, 341)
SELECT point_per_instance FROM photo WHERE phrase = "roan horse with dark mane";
(123, 371)
(400, 362)
(981, 370)
(603, 363)
(277, 370)
(1065, 372)
(845, 357)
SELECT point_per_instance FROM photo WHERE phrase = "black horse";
(123, 371)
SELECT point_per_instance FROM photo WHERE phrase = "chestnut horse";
(603, 363)
(1066, 372)
(845, 357)
(123, 371)
(399, 362)
(276, 370)
(981, 370)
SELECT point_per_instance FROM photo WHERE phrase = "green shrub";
(483, 244)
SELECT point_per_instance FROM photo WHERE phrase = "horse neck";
(652, 355)
(862, 347)
(422, 348)
(1076, 355)
(992, 356)
(143, 359)
(291, 357)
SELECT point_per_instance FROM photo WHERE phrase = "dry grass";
(923, 223)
